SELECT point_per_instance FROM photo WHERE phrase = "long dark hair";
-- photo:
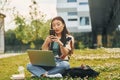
(64, 32)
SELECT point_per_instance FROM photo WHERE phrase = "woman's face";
(58, 26)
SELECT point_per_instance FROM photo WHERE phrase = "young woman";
(62, 45)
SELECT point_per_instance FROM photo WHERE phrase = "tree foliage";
(33, 28)
(10, 38)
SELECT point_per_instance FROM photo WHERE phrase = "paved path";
(8, 55)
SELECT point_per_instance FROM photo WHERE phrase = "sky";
(47, 7)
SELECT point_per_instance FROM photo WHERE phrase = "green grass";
(108, 64)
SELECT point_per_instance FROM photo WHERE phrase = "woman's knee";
(29, 66)
(65, 64)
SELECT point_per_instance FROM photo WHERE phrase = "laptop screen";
(41, 57)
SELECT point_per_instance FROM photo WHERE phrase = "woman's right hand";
(48, 39)
(46, 43)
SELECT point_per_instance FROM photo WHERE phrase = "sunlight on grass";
(109, 67)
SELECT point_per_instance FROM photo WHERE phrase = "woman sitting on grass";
(62, 45)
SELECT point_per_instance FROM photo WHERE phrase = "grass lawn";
(107, 63)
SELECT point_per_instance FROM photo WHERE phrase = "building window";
(72, 19)
(84, 21)
(72, 13)
(83, 3)
(71, 0)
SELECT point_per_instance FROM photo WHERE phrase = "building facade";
(76, 14)
(2, 33)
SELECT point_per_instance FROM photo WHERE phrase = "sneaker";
(17, 77)
(58, 75)
(33, 76)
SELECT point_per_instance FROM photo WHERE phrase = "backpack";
(81, 72)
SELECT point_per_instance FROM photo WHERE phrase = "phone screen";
(52, 32)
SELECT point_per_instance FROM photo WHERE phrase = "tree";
(10, 38)
(34, 28)
(3, 5)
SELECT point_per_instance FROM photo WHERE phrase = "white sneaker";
(17, 77)
(32, 75)
(58, 75)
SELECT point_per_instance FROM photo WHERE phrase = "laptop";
(41, 57)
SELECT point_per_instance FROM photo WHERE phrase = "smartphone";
(52, 32)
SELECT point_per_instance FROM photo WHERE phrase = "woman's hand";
(46, 43)
(54, 38)
(48, 39)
